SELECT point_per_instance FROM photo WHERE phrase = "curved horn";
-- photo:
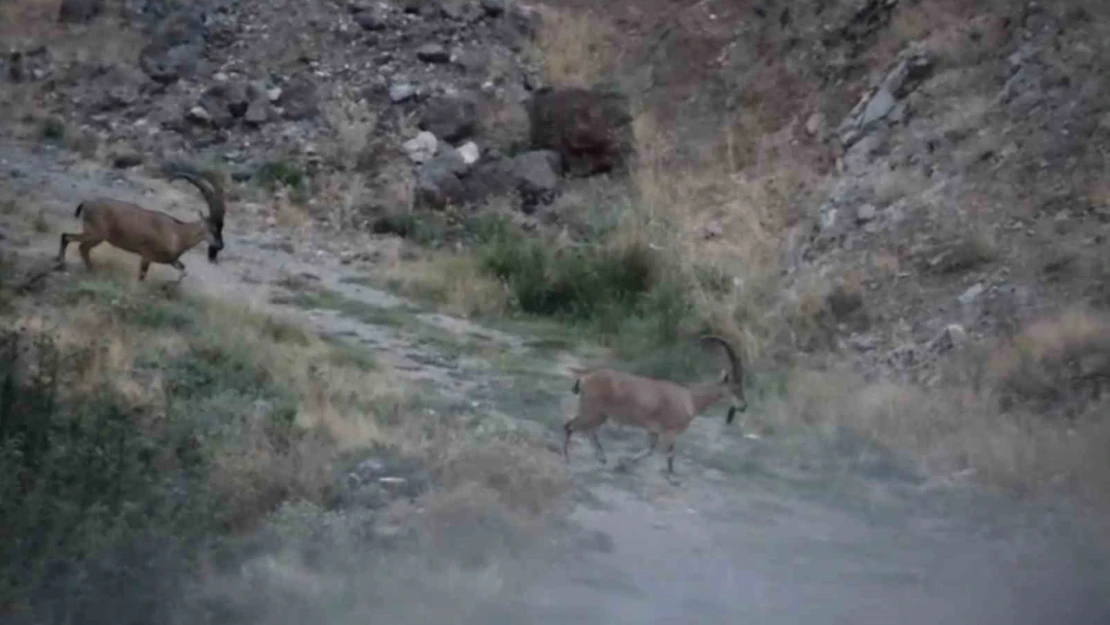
(213, 192)
(737, 370)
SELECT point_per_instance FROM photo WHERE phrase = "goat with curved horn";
(665, 409)
(155, 236)
(213, 192)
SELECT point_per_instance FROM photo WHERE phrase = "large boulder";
(437, 181)
(451, 118)
(591, 129)
(533, 176)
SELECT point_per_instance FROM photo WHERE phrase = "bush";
(608, 287)
(91, 503)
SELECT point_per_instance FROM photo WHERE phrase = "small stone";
(433, 53)
(221, 77)
(421, 148)
(880, 105)
(370, 20)
(971, 294)
(258, 113)
(712, 230)
(127, 159)
(273, 94)
(400, 92)
(865, 213)
(469, 152)
(198, 114)
(493, 8)
(815, 124)
(953, 336)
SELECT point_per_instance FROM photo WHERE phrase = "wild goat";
(663, 408)
(155, 236)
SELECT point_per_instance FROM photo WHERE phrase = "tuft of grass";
(577, 48)
(1056, 365)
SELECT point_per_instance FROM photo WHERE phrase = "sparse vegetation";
(139, 430)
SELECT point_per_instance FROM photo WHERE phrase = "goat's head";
(732, 378)
(213, 193)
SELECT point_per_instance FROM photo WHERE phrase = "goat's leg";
(63, 243)
(144, 266)
(653, 441)
(597, 446)
(584, 421)
(180, 266)
(86, 246)
(669, 446)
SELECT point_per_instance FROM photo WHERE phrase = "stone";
(433, 53)
(953, 336)
(451, 118)
(258, 112)
(198, 114)
(815, 124)
(469, 152)
(126, 159)
(176, 47)
(878, 107)
(865, 213)
(399, 92)
(421, 148)
(372, 19)
(79, 11)
(969, 296)
(591, 129)
(493, 8)
(299, 98)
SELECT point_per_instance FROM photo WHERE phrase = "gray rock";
(493, 8)
(421, 148)
(371, 19)
(198, 114)
(79, 11)
(450, 118)
(815, 124)
(865, 213)
(437, 181)
(880, 105)
(591, 129)
(537, 173)
(969, 296)
(399, 92)
(469, 152)
(432, 53)
(127, 159)
(225, 102)
(175, 47)
(258, 112)
(299, 98)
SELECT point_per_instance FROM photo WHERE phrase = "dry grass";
(453, 281)
(953, 432)
(1057, 364)
(576, 48)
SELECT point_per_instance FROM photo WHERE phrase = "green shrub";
(91, 505)
(612, 289)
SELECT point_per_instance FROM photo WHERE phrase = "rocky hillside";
(889, 180)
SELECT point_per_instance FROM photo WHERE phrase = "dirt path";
(739, 539)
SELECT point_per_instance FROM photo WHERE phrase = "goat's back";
(129, 226)
(658, 405)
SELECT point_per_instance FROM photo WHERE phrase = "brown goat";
(155, 236)
(663, 408)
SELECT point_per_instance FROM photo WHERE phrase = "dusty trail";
(738, 540)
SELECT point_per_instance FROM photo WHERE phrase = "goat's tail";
(80, 207)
